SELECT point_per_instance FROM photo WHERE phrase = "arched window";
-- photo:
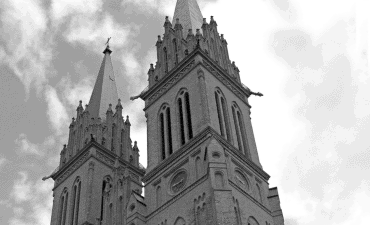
(165, 59)
(63, 207)
(180, 221)
(223, 114)
(240, 130)
(75, 201)
(252, 221)
(158, 196)
(165, 131)
(175, 50)
(184, 116)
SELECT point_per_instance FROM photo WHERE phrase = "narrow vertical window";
(78, 203)
(198, 167)
(163, 144)
(243, 134)
(259, 196)
(110, 214)
(220, 121)
(169, 133)
(181, 118)
(165, 59)
(64, 218)
(61, 210)
(102, 201)
(113, 136)
(188, 114)
(226, 119)
(74, 194)
(237, 130)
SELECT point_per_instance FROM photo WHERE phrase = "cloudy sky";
(310, 59)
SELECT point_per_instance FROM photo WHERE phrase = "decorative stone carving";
(72, 168)
(178, 181)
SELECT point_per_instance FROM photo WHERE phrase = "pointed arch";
(252, 221)
(63, 205)
(223, 114)
(239, 127)
(75, 207)
(165, 53)
(180, 221)
(184, 115)
(175, 50)
(165, 131)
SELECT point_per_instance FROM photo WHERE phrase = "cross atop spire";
(105, 88)
(189, 14)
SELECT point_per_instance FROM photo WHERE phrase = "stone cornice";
(198, 140)
(102, 154)
(189, 62)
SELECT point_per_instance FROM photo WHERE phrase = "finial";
(212, 18)
(64, 146)
(159, 38)
(80, 102)
(127, 122)
(107, 48)
(204, 20)
(92, 137)
(110, 107)
(222, 36)
(190, 32)
(177, 21)
(73, 119)
(151, 66)
(167, 19)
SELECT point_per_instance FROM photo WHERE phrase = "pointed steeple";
(189, 15)
(105, 89)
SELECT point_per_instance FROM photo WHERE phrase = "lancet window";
(240, 129)
(63, 207)
(75, 201)
(223, 114)
(184, 116)
(165, 131)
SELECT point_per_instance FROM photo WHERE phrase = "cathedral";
(203, 165)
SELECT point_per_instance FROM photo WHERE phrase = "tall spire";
(189, 14)
(105, 89)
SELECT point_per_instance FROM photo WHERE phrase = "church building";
(203, 166)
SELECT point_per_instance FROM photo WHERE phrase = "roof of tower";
(189, 14)
(105, 88)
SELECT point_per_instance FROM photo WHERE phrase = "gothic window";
(75, 201)
(175, 48)
(80, 130)
(165, 59)
(63, 207)
(240, 130)
(158, 196)
(223, 114)
(165, 131)
(184, 116)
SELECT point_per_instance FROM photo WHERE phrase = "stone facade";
(203, 164)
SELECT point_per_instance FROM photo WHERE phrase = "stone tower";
(99, 168)
(203, 164)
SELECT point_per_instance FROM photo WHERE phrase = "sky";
(310, 59)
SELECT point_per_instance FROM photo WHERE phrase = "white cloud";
(93, 33)
(28, 51)
(164, 7)
(36, 196)
(74, 92)
(25, 146)
(22, 188)
(56, 111)
(61, 9)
